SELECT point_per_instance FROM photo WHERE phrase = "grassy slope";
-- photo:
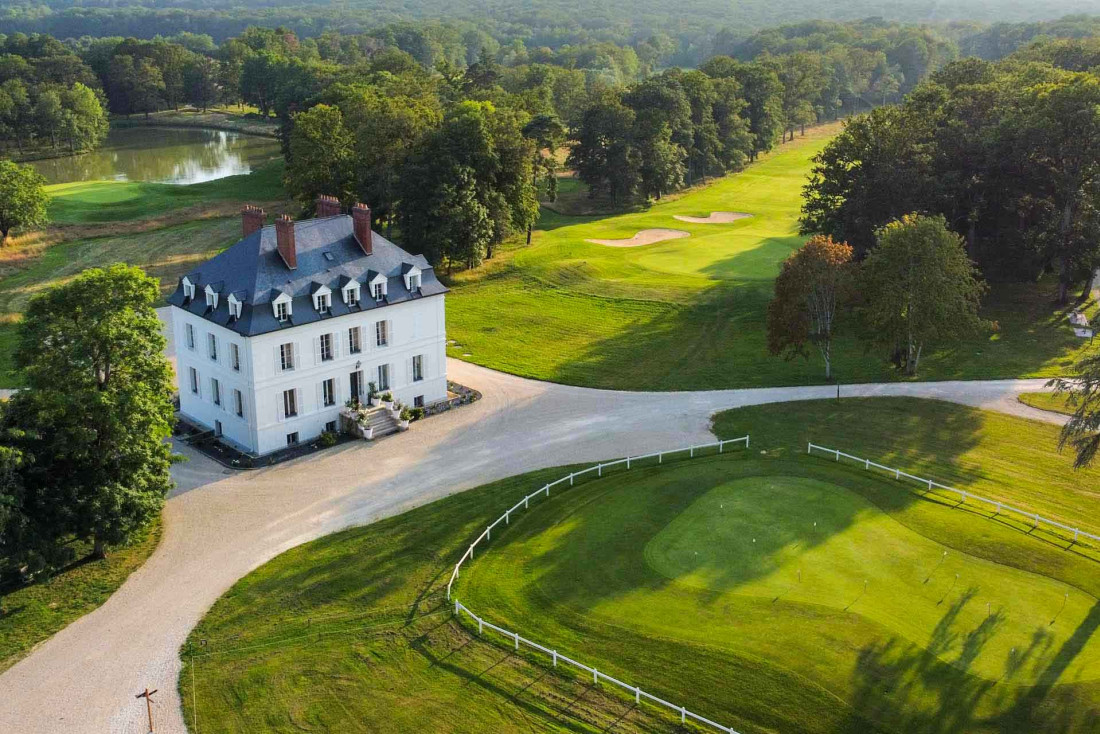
(34, 613)
(1048, 401)
(689, 313)
(93, 202)
(165, 229)
(332, 635)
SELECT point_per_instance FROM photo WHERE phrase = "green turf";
(1055, 403)
(31, 614)
(689, 313)
(351, 632)
(90, 202)
(165, 254)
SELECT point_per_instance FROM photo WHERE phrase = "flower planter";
(395, 413)
(368, 432)
(402, 425)
(388, 404)
(375, 401)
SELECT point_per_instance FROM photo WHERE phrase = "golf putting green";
(787, 565)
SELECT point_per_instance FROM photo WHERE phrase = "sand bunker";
(714, 218)
(645, 237)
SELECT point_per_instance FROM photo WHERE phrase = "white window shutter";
(280, 408)
(316, 350)
(296, 350)
(335, 337)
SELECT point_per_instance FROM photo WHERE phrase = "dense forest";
(1007, 152)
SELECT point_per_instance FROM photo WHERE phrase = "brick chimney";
(252, 219)
(327, 206)
(284, 241)
(360, 220)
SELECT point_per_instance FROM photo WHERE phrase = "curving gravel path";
(218, 527)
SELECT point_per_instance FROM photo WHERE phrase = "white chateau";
(274, 334)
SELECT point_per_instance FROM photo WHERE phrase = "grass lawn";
(32, 614)
(695, 596)
(165, 253)
(95, 202)
(689, 313)
(1048, 401)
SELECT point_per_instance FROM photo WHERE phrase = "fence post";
(1075, 532)
(555, 658)
(998, 510)
(628, 462)
(720, 445)
(527, 502)
(747, 440)
(480, 621)
(683, 714)
(599, 470)
(570, 479)
(456, 606)
(637, 694)
(488, 533)
(508, 517)
(808, 446)
(867, 464)
(661, 458)
(838, 454)
(691, 453)
(516, 635)
(897, 474)
(595, 677)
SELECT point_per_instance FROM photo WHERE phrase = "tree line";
(1007, 152)
(49, 99)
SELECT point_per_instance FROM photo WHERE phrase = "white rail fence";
(557, 657)
(1000, 506)
(597, 676)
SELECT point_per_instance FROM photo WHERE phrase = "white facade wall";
(415, 328)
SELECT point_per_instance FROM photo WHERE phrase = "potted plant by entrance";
(387, 400)
(396, 410)
(366, 430)
(403, 419)
(372, 394)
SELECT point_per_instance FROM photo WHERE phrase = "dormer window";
(234, 307)
(324, 303)
(351, 294)
(412, 279)
(188, 290)
(211, 298)
(282, 308)
(379, 291)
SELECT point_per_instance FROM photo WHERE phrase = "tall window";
(383, 377)
(190, 336)
(418, 368)
(382, 333)
(238, 403)
(290, 403)
(352, 296)
(194, 381)
(328, 392)
(323, 303)
(286, 356)
(235, 356)
(414, 283)
(354, 345)
(215, 391)
(282, 312)
(326, 347)
(212, 346)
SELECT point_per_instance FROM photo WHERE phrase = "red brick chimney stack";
(284, 241)
(360, 219)
(327, 206)
(252, 219)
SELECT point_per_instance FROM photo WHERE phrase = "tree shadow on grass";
(911, 688)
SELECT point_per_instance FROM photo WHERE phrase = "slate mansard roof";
(254, 273)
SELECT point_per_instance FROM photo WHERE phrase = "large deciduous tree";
(321, 159)
(918, 287)
(22, 198)
(808, 292)
(97, 406)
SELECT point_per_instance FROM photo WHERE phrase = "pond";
(163, 155)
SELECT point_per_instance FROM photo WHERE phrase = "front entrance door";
(356, 385)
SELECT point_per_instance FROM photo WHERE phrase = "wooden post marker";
(148, 696)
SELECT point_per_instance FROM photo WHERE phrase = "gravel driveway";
(219, 527)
